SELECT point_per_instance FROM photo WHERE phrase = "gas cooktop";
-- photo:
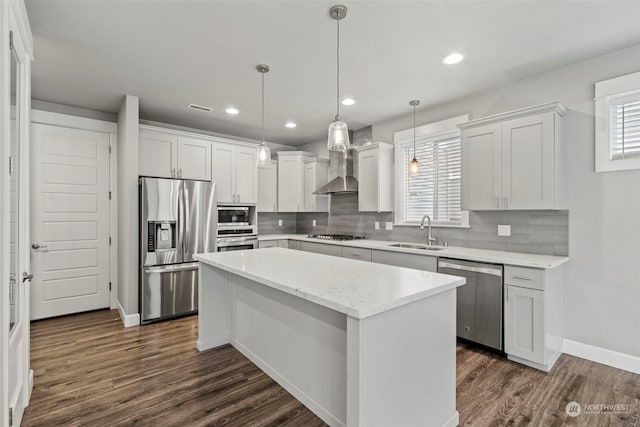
(334, 236)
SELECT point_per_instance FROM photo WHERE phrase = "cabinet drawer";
(268, 244)
(293, 244)
(524, 277)
(361, 254)
(283, 244)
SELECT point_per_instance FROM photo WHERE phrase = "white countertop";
(348, 286)
(519, 259)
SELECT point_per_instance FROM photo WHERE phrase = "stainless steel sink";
(414, 246)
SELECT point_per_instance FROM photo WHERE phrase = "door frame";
(110, 128)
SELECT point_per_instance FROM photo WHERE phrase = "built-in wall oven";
(237, 228)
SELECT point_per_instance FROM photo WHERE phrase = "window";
(435, 190)
(617, 106)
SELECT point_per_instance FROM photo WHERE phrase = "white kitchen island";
(359, 344)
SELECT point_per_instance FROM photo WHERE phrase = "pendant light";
(338, 132)
(414, 166)
(264, 153)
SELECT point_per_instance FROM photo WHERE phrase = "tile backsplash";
(541, 232)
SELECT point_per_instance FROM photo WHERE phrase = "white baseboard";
(452, 421)
(206, 345)
(601, 355)
(322, 412)
(128, 319)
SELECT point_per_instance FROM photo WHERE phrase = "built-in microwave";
(237, 221)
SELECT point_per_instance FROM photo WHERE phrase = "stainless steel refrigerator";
(178, 218)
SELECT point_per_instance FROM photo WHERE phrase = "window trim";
(607, 91)
(425, 133)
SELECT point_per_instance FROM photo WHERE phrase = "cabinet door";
(290, 185)
(482, 168)
(194, 159)
(246, 175)
(527, 162)
(267, 185)
(368, 181)
(309, 187)
(268, 244)
(524, 323)
(222, 172)
(283, 244)
(157, 154)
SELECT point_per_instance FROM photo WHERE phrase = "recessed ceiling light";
(291, 125)
(232, 110)
(348, 101)
(454, 58)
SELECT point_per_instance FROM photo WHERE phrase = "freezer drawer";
(169, 291)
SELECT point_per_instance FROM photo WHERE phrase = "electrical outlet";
(314, 222)
(376, 225)
(504, 230)
(279, 223)
(388, 225)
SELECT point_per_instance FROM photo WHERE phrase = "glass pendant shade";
(264, 155)
(338, 136)
(414, 167)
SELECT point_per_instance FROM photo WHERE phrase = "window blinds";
(625, 128)
(435, 190)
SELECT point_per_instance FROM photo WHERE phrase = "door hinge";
(11, 166)
(10, 40)
(109, 240)
(10, 417)
(109, 149)
(109, 195)
(109, 286)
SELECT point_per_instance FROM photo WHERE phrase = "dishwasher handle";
(474, 269)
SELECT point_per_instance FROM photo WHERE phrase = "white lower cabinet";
(320, 248)
(283, 244)
(401, 259)
(361, 254)
(268, 244)
(533, 320)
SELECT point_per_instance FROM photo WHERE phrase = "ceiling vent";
(200, 108)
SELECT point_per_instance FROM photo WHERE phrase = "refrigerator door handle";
(171, 268)
(181, 221)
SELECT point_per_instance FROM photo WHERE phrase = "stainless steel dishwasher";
(479, 301)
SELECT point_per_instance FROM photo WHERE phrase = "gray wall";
(602, 280)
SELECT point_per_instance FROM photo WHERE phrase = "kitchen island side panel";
(215, 294)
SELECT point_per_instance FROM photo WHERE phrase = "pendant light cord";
(263, 108)
(338, 69)
(414, 131)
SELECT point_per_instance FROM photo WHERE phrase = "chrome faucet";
(430, 239)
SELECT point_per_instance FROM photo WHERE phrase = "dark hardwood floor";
(90, 371)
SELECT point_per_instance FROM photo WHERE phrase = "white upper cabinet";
(375, 177)
(194, 159)
(268, 187)
(166, 154)
(316, 173)
(235, 173)
(513, 160)
(291, 180)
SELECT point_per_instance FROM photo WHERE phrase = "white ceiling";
(173, 53)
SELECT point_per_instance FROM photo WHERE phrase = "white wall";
(128, 209)
(602, 280)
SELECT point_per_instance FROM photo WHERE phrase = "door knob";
(39, 246)
(26, 276)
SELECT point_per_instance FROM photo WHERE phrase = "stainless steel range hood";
(341, 164)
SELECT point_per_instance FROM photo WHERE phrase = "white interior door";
(70, 220)
(16, 376)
